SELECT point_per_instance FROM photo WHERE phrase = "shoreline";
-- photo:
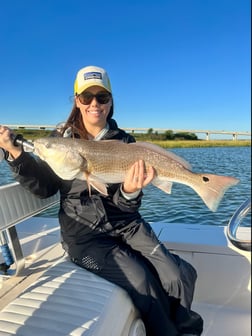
(201, 143)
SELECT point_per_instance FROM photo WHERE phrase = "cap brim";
(94, 83)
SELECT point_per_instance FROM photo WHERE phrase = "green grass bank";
(202, 143)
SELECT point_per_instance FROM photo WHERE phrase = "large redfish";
(104, 162)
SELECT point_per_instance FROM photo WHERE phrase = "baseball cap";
(90, 76)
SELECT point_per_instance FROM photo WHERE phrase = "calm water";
(183, 205)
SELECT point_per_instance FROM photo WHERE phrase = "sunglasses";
(101, 97)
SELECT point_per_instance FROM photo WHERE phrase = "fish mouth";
(37, 151)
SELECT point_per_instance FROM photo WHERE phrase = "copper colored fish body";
(104, 162)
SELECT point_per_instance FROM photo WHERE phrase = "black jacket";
(82, 217)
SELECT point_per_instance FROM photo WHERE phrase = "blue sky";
(173, 64)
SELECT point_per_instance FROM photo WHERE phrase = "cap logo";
(92, 75)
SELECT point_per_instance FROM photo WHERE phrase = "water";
(183, 205)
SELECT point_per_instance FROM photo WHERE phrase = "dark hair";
(75, 121)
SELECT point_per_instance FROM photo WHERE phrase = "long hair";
(75, 121)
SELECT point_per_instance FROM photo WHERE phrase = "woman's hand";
(6, 142)
(137, 177)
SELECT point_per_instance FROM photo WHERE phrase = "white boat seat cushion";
(68, 300)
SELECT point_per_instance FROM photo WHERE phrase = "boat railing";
(16, 205)
(234, 224)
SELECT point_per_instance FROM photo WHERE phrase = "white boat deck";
(222, 294)
(45, 294)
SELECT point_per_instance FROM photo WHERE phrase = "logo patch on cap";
(92, 75)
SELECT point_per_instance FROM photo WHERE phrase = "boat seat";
(69, 300)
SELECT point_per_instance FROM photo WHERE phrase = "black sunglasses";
(101, 97)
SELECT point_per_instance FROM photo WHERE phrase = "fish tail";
(212, 188)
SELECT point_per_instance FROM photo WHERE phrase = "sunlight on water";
(183, 205)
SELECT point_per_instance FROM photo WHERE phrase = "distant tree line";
(167, 135)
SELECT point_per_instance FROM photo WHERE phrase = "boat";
(43, 293)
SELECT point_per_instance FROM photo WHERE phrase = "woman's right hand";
(6, 142)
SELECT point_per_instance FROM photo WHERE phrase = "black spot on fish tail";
(205, 179)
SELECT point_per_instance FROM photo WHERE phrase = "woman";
(107, 235)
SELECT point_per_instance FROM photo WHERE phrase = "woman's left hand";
(137, 177)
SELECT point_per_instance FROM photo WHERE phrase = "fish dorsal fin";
(162, 151)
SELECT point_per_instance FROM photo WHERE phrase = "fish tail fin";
(212, 188)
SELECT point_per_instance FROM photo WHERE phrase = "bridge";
(208, 133)
(234, 134)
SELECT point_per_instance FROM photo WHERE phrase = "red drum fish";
(104, 162)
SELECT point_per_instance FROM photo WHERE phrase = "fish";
(105, 162)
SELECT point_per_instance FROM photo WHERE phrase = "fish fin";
(164, 185)
(212, 188)
(162, 151)
(98, 184)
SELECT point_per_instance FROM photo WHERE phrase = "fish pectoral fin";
(97, 184)
(164, 185)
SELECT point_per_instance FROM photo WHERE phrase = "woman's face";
(94, 109)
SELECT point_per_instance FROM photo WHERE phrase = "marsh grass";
(202, 143)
